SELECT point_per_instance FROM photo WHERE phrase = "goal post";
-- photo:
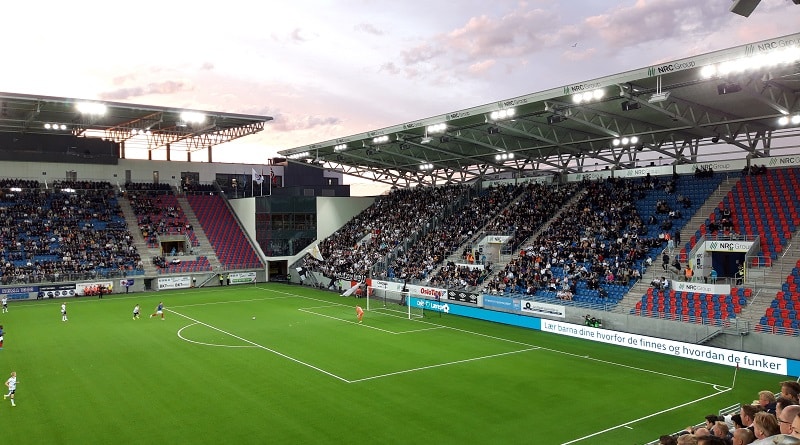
(392, 301)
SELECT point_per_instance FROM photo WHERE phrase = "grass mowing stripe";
(260, 346)
(440, 365)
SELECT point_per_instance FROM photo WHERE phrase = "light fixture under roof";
(658, 97)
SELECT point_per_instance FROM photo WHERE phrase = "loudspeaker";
(745, 7)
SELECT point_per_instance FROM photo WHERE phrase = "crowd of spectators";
(599, 239)
(767, 420)
(157, 213)
(74, 229)
(519, 220)
(419, 260)
(754, 170)
(385, 227)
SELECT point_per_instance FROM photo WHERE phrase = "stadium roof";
(709, 107)
(146, 125)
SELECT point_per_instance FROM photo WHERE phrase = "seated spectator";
(766, 399)
(711, 440)
(786, 418)
(736, 419)
(765, 425)
(720, 429)
(790, 390)
(742, 436)
(667, 440)
(748, 414)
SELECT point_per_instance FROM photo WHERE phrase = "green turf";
(304, 372)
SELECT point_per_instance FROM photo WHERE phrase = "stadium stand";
(229, 242)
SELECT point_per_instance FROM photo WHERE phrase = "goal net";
(392, 301)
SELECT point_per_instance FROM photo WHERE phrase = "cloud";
(481, 67)
(207, 66)
(652, 21)
(289, 123)
(369, 29)
(480, 42)
(155, 88)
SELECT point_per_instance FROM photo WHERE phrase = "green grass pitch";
(304, 372)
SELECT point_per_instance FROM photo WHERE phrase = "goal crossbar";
(392, 301)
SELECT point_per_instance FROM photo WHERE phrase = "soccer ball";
(254, 318)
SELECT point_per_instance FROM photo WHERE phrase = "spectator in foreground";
(743, 436)
(748, 414)
(786, 418)
(765, 425)
(667, 439)
(711, 440)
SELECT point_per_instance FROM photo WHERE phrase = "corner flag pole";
(733, 385)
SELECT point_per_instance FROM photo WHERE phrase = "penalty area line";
(261, 347)
(439, 365)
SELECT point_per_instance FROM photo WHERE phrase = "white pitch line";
(343, 320)
(439, 365)
(229, 301)
(306, 310)
(180, 335)
(261, 346)
(412, 331)
(645, 417)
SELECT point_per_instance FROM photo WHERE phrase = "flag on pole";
(258, 178)
(314, 251)
(352, 290)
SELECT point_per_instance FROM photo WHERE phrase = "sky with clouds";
(326, 69)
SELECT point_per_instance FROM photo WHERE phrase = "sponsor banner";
(679, 65)
(19, 290)
(728, 246)
(464, 297)
(549, 310)
(126, 282)
(470, 266)
(495, 239)
(590, 176)
(23, 296)
(174, 283)
(702, 288)
(242, 277)
(350, 277)
(505, 303)
(643, 171)
(718, 166)
(746, 360)
(702, 261)
(57, 291)
(90, 286)
(430, 305)
(781, 161)
(387, 285)
(513, 319)
(768, 46)
(580, 88)
(426, 292)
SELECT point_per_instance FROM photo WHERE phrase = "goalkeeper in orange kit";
(359, 313)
